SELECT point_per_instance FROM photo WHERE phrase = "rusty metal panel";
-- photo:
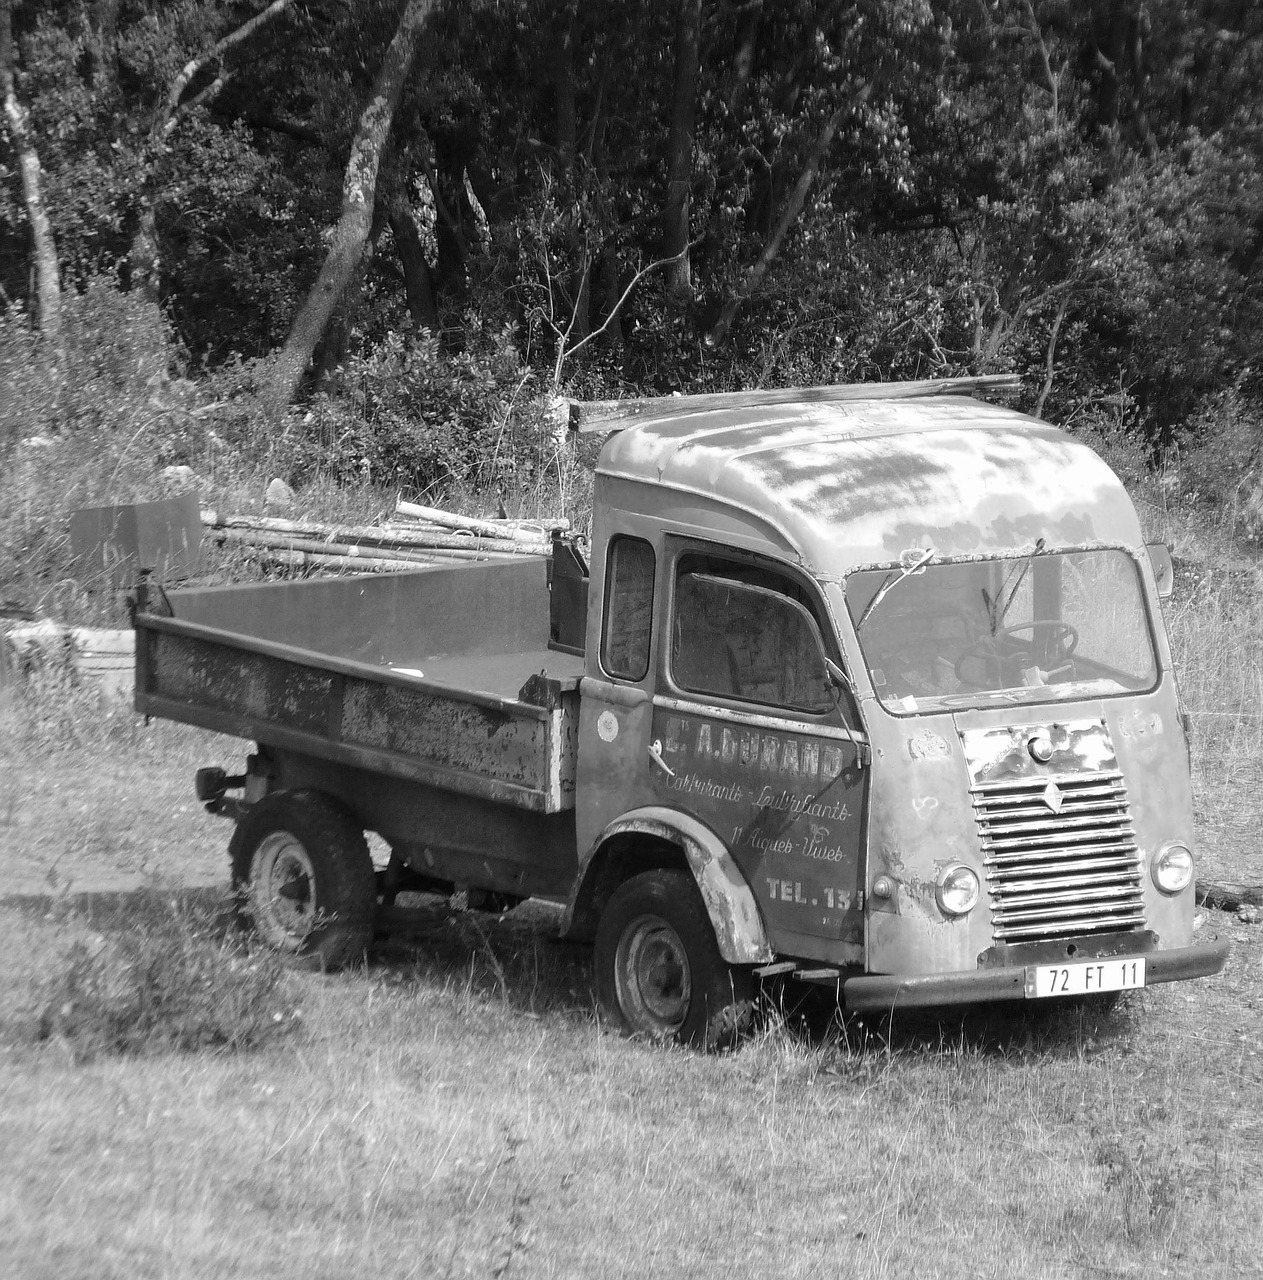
(447, 731)
(920, 819)
(163, 536)
(470, 839)
(1000, 754)
(505, 750)
(240, 683)
(848, 485)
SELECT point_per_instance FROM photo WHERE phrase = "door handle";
(655, 754)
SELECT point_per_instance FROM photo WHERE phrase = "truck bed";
(442, 676)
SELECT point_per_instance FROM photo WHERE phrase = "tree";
(359, 191)
(144, 256)
(675, 212)
(44, 247)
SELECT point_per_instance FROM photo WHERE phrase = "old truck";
(866, 686)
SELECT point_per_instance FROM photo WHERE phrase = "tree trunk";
(359, 190)
(564, 89)
(330, 351)
(743, 59)
(793, 207)
(675, 212)
(144, 259)
(47, 280)
(103, 36)
(417, 281)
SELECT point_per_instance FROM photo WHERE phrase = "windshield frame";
(988, 700)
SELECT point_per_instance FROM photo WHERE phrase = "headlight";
(957, 889)
(1173, 868)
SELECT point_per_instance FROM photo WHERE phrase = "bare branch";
(203, 96)
(1052, 351)
(564, 354)
(165, 120)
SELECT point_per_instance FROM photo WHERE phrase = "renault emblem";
(1053, 797)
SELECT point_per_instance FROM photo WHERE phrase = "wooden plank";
(610, 415)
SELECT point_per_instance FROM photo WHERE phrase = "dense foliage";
(1069, 189)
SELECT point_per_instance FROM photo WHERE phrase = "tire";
(658, 970)
(304, 879)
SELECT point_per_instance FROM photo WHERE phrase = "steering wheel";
(1060, 639)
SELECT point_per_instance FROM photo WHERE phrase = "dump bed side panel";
(484, 745)
(389, 619)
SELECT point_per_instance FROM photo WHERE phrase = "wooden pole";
(450, 520)
(350, 550)
(403, 538)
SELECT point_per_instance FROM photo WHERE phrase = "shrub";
(409, 416)
(173, 981)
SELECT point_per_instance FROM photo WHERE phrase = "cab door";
(751, 735)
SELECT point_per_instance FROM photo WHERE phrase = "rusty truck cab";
(891, 677)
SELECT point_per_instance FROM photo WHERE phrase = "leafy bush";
(409, 416)
(119, 357)
(170, 982)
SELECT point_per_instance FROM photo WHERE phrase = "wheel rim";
(651, 977)
(283, 890)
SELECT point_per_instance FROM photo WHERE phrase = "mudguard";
(730, 903)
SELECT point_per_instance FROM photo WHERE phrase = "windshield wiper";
(893, 579)
(997, 611)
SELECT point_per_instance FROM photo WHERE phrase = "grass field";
(173, 1104)
(458, 1110)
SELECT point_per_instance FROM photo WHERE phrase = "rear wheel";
(659, 973)
(304, 878)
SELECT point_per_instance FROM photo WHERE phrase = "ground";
(457, 1108)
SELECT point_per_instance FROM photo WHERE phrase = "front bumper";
(886, 992)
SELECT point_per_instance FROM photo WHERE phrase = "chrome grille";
(1057, 872)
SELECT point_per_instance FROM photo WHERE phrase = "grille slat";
(1107, 804)
(1057, 873)
(1023, 872)
(1060, 824)
(1071, 837)
(1052, 890)
(1027, 858)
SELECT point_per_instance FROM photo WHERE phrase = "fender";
(734, 915)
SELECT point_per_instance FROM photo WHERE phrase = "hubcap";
(651, 976)
(282, 889)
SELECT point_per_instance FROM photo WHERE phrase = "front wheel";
(659, 973)
(304, 878)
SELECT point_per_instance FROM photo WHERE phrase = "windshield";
(1043, 628)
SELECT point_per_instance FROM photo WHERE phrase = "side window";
(734, 639)
(628, 608)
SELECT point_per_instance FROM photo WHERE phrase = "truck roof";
(851, 484)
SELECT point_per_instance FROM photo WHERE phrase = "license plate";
(1085, 978)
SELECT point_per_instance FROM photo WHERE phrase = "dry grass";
(457, 1109)
(428, 1123)
(1215, 621)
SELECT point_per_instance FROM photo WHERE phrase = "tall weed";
(171, 981)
